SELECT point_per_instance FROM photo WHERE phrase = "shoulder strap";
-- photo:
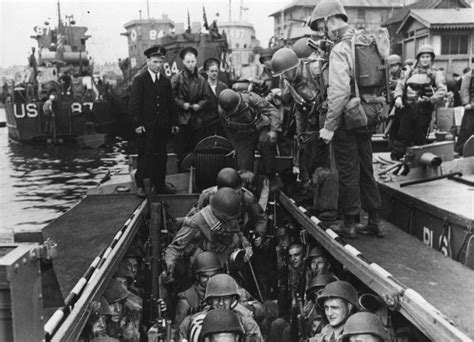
(356, 87)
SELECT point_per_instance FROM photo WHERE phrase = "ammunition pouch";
(365, 112)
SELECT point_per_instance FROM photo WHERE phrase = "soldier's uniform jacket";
(203, 232)
(327, 334)
(189, 302)
(269, 82)
(252, 212)
(308, 93)
(467, 89)
(422, 82)
(190, 328)
(394, 79)
(191, 88)
(253, 114)
(341, 75)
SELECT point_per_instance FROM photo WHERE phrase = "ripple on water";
(40, 183)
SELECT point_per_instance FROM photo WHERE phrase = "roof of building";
(402, 13)
(345, 3)
(446, 18)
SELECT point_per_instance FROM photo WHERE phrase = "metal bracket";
(392, 301)
(47, 251)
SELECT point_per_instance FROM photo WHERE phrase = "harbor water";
(40, 182)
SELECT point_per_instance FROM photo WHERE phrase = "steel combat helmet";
(363, 323)
(266, 53)
(426, 48)
(301, 48)
(229, 100)
(394, 59)
(220, 321)
(221, 285)
(205, 262)
(228, 177)
(326, 9)
(284, 60)
(338, 289)
(319, 282)
(225, 204)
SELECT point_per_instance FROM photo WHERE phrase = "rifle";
(301, 320)
(152, 308)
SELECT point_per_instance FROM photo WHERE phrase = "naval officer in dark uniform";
(153, 109)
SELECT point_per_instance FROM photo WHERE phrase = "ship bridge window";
(245, 46)
(237, 45)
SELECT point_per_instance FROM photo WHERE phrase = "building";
(368, 14)
(393, 23)
(449, 31)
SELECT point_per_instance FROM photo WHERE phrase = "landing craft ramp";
(84, 232)
(435, 292)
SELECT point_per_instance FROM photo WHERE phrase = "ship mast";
(59, 18)
(230, 10)
(148, 9)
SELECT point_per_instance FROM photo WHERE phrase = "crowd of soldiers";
(225, 277)
(296, 294)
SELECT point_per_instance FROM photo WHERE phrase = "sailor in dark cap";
(211, 123)
(186, 50)
(191, 100)
(153, 108)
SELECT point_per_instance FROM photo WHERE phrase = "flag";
(204, 17)
(189, 24)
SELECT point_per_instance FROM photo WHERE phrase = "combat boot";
(346, 229)
(374, 226)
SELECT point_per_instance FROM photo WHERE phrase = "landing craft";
(402, 283)
(82, 105)
(144, 33)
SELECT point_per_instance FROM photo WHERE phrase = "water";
(38, 183)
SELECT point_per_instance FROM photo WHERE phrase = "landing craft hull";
(26, 121)
(439, 213)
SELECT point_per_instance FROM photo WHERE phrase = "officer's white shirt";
(154, 76)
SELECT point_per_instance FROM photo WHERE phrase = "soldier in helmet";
(191, 99)
(364, 327)
(418, 93)
(467, 99)
(222, 293)
(312, 313)
(352, 146)
(317, 263)
(303, 81)
(265, 81)
(250, 123)
(96, 327)
(205, 265)
(252, 213)
(339, 301)
(116, 295)
(396, 74)
(215, 228)
(221, 326)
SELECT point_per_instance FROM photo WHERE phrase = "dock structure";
(427, 286)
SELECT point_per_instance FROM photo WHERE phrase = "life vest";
(247, 119)
(215, 238)
(419, 83)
